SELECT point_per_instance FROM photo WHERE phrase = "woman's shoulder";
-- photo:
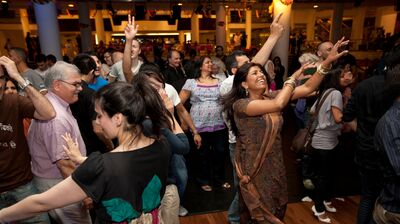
(334, 93)
(240, 105)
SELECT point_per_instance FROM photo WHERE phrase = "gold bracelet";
(291, 83)
(323, 71)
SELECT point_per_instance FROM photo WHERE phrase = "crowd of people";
(108, 134)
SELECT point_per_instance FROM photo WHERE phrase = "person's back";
(387, 135)
(367, 105)
(138, 188)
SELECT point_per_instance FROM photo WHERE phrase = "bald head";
(324, 49)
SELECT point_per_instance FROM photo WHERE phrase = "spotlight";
(4, 5)
(315, 6)
(71, 5)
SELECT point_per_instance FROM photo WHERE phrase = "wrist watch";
(24, 85)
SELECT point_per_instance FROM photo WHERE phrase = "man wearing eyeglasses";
(15, 162)
(49, 163)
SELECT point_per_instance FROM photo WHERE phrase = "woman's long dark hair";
(142, 78)
(331, 80)
(197, 66)
(137, 102)
(237, 92)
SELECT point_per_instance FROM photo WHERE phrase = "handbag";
(302, 140)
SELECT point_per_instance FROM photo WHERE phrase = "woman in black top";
(126, 183)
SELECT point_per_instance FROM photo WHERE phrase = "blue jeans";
(179, 174)
(233, 211)
(371, 185)
(11, 197)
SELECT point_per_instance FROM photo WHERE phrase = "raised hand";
(131, 29)
(167, 101)
(276, 27)
(334, 54)
(72, 149)
(11, 68)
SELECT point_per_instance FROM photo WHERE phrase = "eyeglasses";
(76, 85)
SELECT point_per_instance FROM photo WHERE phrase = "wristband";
(24, 85)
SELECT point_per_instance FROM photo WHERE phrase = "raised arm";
(312, 84)
(276, 31)
(260, 107)
(130, 33)
(43, 108)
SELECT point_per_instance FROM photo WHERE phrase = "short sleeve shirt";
(15, 167)
(36, 80)
(327, 130)
(118, 72)
(172, 94)
(206, 111)
(125, 184)
(46, 143)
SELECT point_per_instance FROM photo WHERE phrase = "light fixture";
(227, 6)
(71, 5)
(315, 6)
(180, 4)
(4, 1)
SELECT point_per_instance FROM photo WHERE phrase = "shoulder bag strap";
(311, 127)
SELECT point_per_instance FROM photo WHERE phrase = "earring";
(247, 92)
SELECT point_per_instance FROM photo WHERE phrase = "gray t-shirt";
(118, 73)
(327, 130)
(36, 80)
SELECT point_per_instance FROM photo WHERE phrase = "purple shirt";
(45, 141)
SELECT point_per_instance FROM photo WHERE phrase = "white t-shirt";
(225, 88)
(172, 94)
(327, 131)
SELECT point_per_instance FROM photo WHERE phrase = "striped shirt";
(387, 142)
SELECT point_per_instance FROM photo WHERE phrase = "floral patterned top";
(123, 185)
(206, 111)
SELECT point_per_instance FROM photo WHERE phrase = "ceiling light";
(315, 6)
(71, 5)
(180, 4)
(227, 6)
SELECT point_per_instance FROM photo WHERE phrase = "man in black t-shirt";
(83, 109)
(174, 73)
